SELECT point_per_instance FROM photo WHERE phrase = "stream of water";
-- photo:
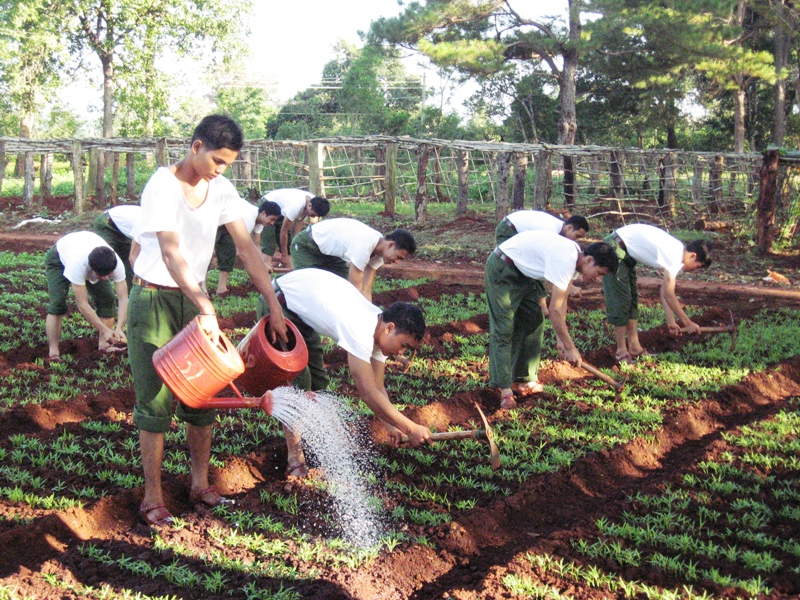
(327, 427)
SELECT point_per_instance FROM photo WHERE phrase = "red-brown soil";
(472, 554)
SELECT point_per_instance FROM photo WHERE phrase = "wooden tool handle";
(477, 434)
(600, 375)
(719, 329)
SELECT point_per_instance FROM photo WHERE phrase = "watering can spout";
(265, 402)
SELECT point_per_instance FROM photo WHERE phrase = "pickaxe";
(476, 434)
(721, 329)
(617, 385)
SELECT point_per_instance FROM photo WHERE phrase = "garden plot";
(686, 486)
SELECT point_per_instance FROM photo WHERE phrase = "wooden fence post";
(46, 176)
(390, 183)
(91, 175)
(502, 198)
(543, 184)
(247, 167)
(437, 175)
(697, 183)
(114, 178)
(463, 183)
(569, 181)
(130, 175)
(100, 185)
(715, 204)
(379, 180)
(3, 163)
(767, 202)
(520, 175)
(316, 168)
(594, 174)
(421, 199)
(77, 176)
(666, 184)
(30, 178)
(162, 156)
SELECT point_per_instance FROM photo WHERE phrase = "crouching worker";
(321, 303)
(85, 262)
(657, 249)
(515, 274)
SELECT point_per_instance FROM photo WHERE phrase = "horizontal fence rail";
(672, 188)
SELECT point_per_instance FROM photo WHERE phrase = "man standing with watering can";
(321, 303)
(182, 206)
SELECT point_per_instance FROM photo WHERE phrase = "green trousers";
(225, 249)
(271, 238)
(306, 254)
(58, 287)
(516, 323)
(503, 232)
(154, 317)
(619, 289)
(315, 376)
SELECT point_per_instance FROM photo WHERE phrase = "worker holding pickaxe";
(654, 247)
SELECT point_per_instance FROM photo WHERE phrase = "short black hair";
(270, 208)
(219, 131)
(604, 255)
(320, 205)
(703, 250)
(102, 260)
(407, 318)
(403, 240)
(578, 222)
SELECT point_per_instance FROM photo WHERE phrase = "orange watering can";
(196, 370)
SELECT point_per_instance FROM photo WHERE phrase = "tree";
(128, 32)
(31, 60)
(247, 101)
(483, 38)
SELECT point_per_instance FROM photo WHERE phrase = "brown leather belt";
(510, 224)
(153, 286)
(504, 258)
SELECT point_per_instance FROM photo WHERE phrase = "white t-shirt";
(165, 208)
(249, 214)
(653, 247)
(73, 250)
(544, 255)
(529, 220)
(291, 200)
(333, 307)
(349, 239)
(126, 217)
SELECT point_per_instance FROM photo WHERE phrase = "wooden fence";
(669, 187)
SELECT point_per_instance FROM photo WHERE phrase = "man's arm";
(356, 277)
(121, 288)
(558, 317)
(286, 258)
(180, 272)
(82, 300)
(672, 307)
(254, 265)
(371, 391)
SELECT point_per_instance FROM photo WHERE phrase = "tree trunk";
(390, 180)
(502, 199)
(25, 130)
(739, 98)
(520, 176)
(666, 184)
(569, 181)
(3, 163)
(617, 169)
(767, 202)
(567, 122)
(30, 178)
(77, 176)
(421, 199)
(46, 176)
(543, 184)
(130, 175)
(782, 43)
(715, 204)
(114, 179)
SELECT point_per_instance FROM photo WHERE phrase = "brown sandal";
(625, 358)
(218, 499)
(162, 516)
